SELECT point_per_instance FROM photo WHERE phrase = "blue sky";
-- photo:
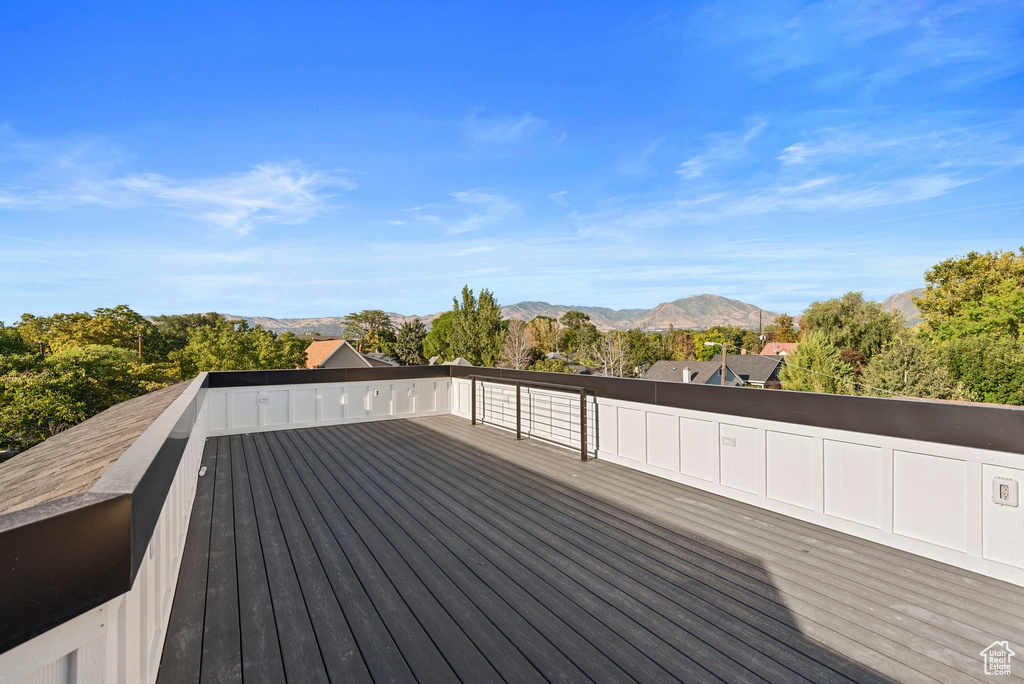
(311, 159)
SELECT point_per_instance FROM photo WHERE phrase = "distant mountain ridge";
(695, 312)
(904, 301)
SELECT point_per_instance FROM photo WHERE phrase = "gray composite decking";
(430, 550)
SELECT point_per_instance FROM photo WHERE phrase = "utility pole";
(723, 345)
(140, 345)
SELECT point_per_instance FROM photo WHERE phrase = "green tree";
(782, 329)
(977, 294)
(702, 352)
(438, 340)
(989, 369)
(11, 342)
(642, 350)
(408, 345)
(372, 327)
(544, 332)
(578, 332)
(73, 384)
(119, 326)
(551, 366)
(174, 329)
(816, 366)
(851, 322)
(233, 345)
(477, 330)
(912, 367)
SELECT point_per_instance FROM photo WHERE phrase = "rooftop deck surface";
(430, 550)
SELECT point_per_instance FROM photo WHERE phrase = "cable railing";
(559, 417)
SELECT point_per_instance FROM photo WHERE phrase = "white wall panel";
(244, 410)
(426, 395)
(1004, 525)
(332, 403)
(405, 398)
(632, 434)
(791, 468)
(463, 394)
(663, 441)
(216, 411)
(274, 405)
(304, 405)
(742, 459)
(357, 401)
(381, 398)
(853, 482)
(698, 448)
(442, 397)
(930, 499)
(607, 428)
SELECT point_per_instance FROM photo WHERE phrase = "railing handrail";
(519, 384)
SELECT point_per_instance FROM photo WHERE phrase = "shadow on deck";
(429, 550)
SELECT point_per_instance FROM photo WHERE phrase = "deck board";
(431, 550)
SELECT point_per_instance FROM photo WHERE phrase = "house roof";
(741, 369)
(700, 372)
(321, 350)
(379, 359)
(778, 348)
(753, 368)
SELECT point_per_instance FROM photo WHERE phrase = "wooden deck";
(430, 550)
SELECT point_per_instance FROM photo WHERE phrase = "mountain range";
(693, 313)
(696, 312)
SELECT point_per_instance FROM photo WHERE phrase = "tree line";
(58, 370)
(969, 346)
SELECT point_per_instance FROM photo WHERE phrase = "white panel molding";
(276, 408)
(998, 554)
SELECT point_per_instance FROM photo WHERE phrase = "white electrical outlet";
(1005, 491)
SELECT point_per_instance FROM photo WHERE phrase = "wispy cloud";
(53, 176)
(502, 129)
(269, 193)
(868, 44)
(722, 149)
(494, 208)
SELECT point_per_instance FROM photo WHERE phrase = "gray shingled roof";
(750, 369)
(71, 461)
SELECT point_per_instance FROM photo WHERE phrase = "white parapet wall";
(928, 498)
(235, 410)
(931, 499)
(121, 640)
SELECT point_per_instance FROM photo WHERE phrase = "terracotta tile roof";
(778, 348)
(320, 350)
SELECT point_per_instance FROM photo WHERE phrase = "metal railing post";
(583, 425)
(519, 412)
(472, 401)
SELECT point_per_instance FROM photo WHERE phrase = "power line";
(852, 382)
